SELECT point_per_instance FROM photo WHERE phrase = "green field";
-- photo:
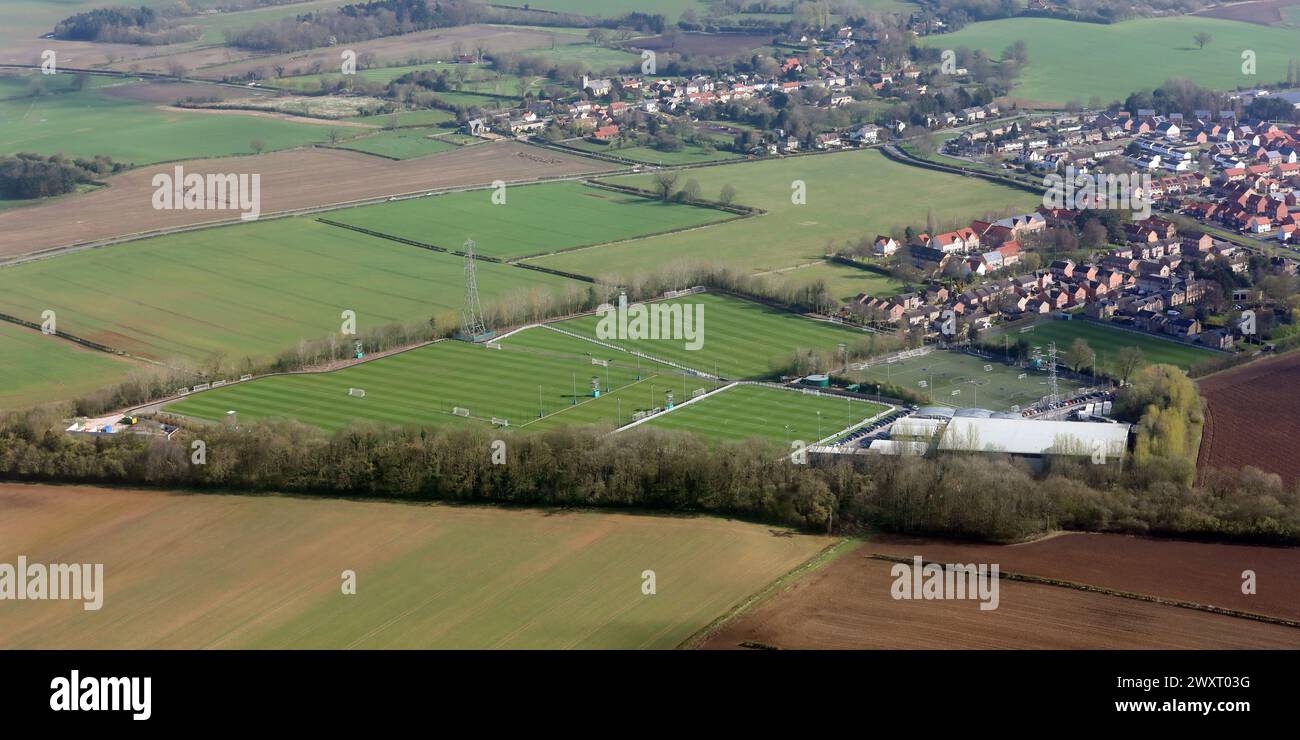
(249, 290)
(225, 572)
(849, 195)
(945, 371)
(535, 219)
(690, 153)
(35, 368)
(741, 339)
(89, 122)
(1108, 341)
(846, 281)
(431, 117)
(1071, 61)
(747, 411)
(538, 379)
(400, 144)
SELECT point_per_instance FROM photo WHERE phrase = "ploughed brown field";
(847, 604)
(1263, 12)
(302, 178)
(1197, 572)
(717, 45)
(1252, 417)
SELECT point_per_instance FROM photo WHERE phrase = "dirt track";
(847, 604)
(290, 180)
(1253, 417)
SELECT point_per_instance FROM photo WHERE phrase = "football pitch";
(782, 416)
(960, 380)
(538, 379)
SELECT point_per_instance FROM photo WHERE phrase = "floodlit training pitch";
(210, 571)
(957, 379)
(538, 379)
(1107, 341)
(783, 416)
(533, 219)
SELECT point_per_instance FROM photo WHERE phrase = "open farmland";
(1202, 573)
(35, 368)
(435, 44)
(1251, 416)
(849, 195)
(741, 339)
(541, 373)
(1126, 57)
(689, 154)
(534, 219)
(401, 144)
(249, 290)
(289, 180)
(1107, 341)
(957, 379)
(747, 411)
(845, 282)
(430, 576)
(93, 121)
(847, 605)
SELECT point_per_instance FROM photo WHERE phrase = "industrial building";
(935, 428)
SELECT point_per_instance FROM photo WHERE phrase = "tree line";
(25, 175)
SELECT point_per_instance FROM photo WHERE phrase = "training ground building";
(1032, 441)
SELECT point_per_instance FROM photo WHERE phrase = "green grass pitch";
(945, 372)
(1108, 341)
(747, 411)
(35, 368)
(741, 339)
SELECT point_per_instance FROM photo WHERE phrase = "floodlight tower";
(472, 325)
(1053, 391)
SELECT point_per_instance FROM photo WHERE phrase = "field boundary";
(1088, 588)
(829, 554)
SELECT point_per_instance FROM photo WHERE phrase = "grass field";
(35, 368)
(944, 372)
(535, 219)
(748, 411)
(248, 290)
(536, 372)
(740, 339)
(400, 144)
(1108, 341)
(845, 281)
(1125, 57)
(87, 122)
(477, 78)
(690, 153)
(409, 118)
(849, 195)
(209, 571)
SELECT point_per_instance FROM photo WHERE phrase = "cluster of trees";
(967, 495)
(357, 22)
(25, 175)
(142, 25)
